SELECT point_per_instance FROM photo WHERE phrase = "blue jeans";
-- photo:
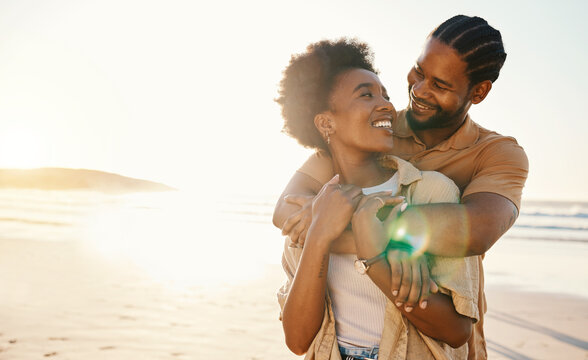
(359, 352)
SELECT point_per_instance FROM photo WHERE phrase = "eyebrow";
(448, 84)
(362, 85)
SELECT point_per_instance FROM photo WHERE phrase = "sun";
(20, 148)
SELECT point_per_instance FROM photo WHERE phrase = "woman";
(333, 100)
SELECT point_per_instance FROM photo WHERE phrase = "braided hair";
(479, 44)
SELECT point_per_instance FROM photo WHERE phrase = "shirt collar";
(466, 135)
(407, 173)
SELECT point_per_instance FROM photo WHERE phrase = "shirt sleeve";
(318, 166)
(503, 170)
(457, 277)
(460, 279)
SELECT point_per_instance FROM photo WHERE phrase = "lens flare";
(419, 235)
(418, 239)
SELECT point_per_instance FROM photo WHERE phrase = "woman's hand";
(332, 210)
(368, 229)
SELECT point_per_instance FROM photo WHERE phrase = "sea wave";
(559, 213)
(552, 227)
(19, 209)
(34, 222)
(547, 238)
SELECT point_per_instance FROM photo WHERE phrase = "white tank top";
(358, 304)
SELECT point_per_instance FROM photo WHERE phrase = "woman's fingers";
(372, 204)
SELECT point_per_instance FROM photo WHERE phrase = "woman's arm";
(304, 308)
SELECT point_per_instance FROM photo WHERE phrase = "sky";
(181, 92)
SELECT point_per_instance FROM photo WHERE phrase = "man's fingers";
(434, 287)
(292, 221)
(302, 237)
(295, 233)
(299, 200)
(415, 288)
(405, 284)
(425, 276)
(396, 272)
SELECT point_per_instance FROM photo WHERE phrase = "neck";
(362, 170)
(434, 136)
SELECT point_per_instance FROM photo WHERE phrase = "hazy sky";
(182, 91)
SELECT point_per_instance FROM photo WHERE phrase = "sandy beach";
(62, 301)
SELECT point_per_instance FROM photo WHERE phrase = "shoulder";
(434, 187)
(501, 148)
(495, 140)
(318, 166)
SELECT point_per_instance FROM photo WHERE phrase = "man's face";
(438, 88)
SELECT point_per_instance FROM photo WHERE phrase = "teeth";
(421, 106)
(382, 124)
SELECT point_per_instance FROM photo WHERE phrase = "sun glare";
(20, 148)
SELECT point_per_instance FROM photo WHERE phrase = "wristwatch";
(363, 265)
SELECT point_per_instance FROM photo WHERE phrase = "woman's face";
(361, 112)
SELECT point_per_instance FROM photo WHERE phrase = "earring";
(328, 137)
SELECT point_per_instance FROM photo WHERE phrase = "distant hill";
(75, 179)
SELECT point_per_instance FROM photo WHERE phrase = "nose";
(386, 105)
(419, 89)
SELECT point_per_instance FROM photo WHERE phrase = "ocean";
(177, 237)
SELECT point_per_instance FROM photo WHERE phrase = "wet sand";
(61, 301)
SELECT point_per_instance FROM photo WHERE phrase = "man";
(457, 67)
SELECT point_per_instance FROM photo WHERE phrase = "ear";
(480, 91)
(324, 124)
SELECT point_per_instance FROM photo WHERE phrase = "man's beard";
(436, 121)
(440, 120)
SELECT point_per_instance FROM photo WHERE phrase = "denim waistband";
(359, 352)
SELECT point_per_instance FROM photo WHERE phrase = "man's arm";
(300, 184)
(469, 228)
(439, 319)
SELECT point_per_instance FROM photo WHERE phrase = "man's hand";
(296, 225)
(410, 280)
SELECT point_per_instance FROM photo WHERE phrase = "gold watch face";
(360, 266)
